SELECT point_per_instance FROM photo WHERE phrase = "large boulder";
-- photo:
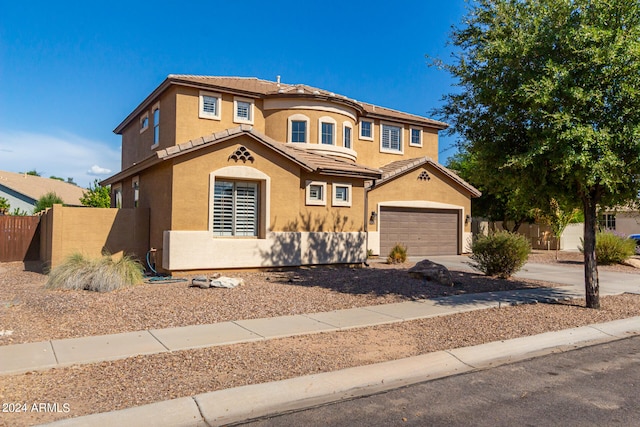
(431, 271)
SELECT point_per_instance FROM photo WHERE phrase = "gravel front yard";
(36, 314)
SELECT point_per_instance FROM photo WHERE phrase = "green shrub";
(612, 249)
(47, 201)
(500, 254)
(99, 275)
(398, 254)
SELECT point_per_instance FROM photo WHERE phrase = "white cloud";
(66, 156)
(98, 171)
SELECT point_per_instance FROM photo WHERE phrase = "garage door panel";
(423, 231)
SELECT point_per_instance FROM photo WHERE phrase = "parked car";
(636, 237)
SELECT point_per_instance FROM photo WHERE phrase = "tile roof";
(311, 162)
(394, 169)
(254, 87)
(35, 187)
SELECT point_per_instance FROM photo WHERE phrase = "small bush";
(612, 249)
(500, 254)
(398, 254)
(99, 275)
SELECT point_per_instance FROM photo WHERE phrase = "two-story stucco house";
(243, 173)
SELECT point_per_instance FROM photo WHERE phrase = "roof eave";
(424, 123)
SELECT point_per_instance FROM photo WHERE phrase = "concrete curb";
(259, 400)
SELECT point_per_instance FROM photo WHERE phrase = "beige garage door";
(423, 231)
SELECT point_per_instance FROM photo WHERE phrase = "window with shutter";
(391, 138)
(235, 208)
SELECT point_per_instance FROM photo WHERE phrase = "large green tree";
(550, 98)
(498, 202)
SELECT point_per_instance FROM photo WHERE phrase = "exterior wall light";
(372, 218)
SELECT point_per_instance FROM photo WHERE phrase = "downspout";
(366, 222)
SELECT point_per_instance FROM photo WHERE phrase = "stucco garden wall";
(92, 231)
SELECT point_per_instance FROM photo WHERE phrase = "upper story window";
(366, 130)
(298, 128)
(210, 105)
(156, 125)
(326, 131)
(144, 122)
(346, 134)
(235, 208)
(416, 137)
(315, 193)
(243, 110)
(390, 139)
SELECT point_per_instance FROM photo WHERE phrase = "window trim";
(335, 201)
(204, 114)
(243, 173)
(411, 143)
(345, 126)
(235, 203)
(236, 118)
(144, 117)
(331, 121)
(135, 185)
(367, 138)
(156, 126)
(315, 202)
(401, 142)
(298, 118)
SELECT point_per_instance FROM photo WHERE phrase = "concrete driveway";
(611, 282)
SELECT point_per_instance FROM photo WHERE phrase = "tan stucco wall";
(277, 123)
(628, 222)
(191, 126)
(407, 187)
(180, 122)
(89, 231)
(369, 151)
(136, 146)
(288, 210)
(191, 186)
(328, 217)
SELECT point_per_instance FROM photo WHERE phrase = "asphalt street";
(592, 386)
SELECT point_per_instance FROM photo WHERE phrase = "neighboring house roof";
(394, 169)
(253, 87)
(35, 187)
(311, 162)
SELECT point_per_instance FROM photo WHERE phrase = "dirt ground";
(37, 314)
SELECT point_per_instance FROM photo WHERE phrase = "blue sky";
(71, 71)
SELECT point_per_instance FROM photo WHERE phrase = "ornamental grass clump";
(398, 254)
(612, 249)
(500, 254)
(99, 275)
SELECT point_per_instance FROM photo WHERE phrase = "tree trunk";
(591, 282)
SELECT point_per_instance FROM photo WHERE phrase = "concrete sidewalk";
(253, 401)
(20, 358)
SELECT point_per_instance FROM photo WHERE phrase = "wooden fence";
(19, 238)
